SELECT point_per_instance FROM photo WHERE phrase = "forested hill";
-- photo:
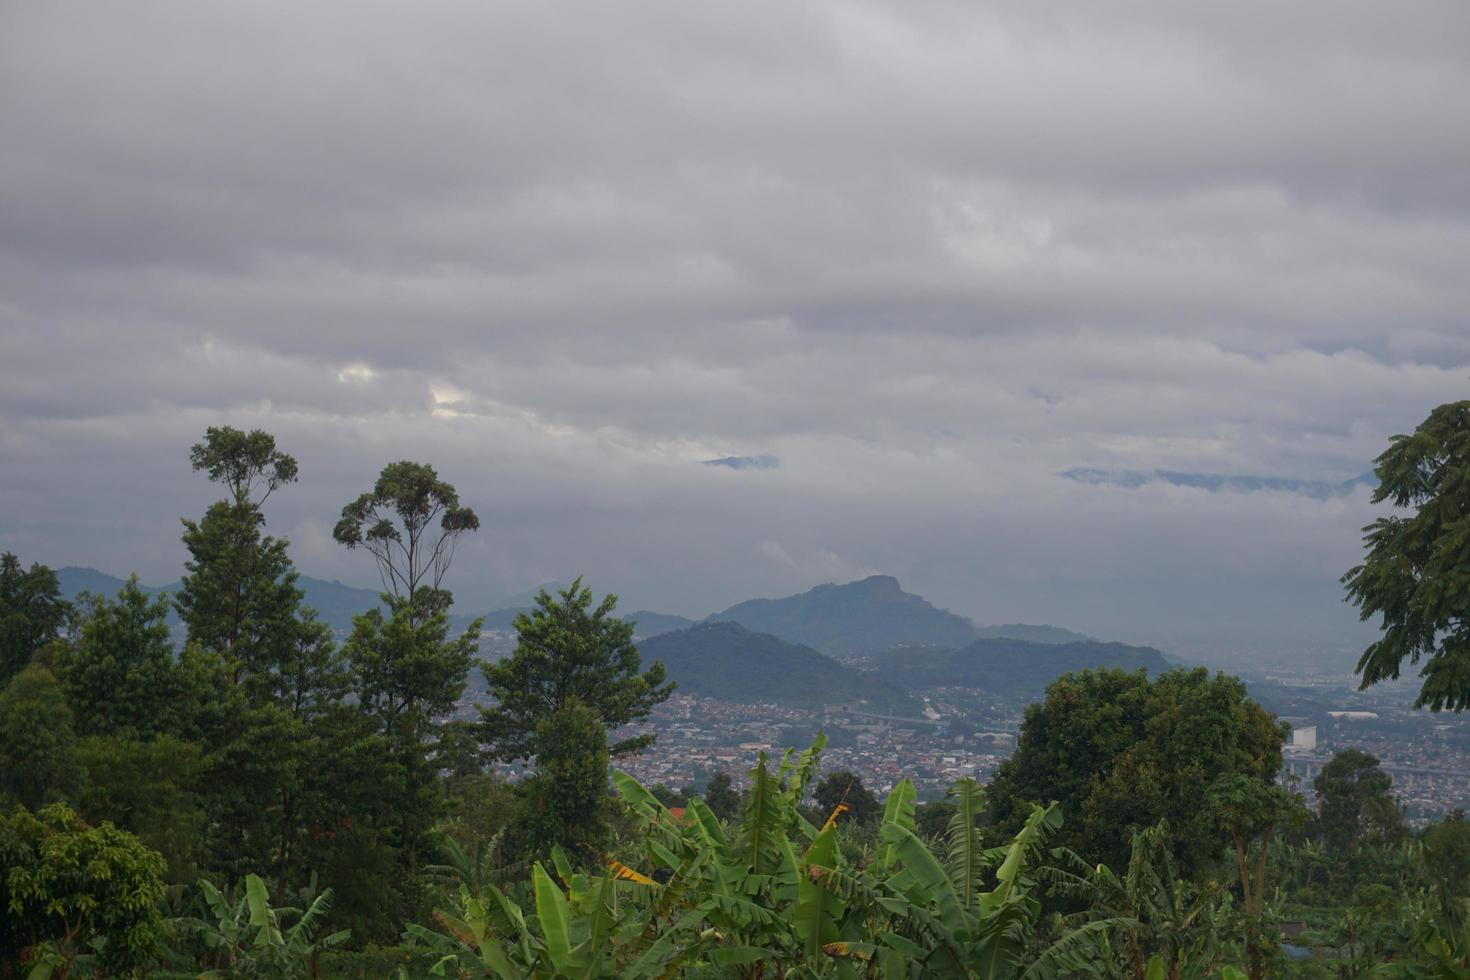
(857, 618)
(1009, 667)
(726, 660)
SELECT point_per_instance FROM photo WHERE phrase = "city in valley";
(964, 732)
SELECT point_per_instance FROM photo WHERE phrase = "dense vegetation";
(260, 800)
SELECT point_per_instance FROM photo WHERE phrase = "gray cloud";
(927, 255)
(1221, 482)
(745, 462)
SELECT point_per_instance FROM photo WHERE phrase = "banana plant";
(249, 938)
(580, 928)
(1142, 924)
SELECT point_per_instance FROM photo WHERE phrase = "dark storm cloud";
(928, 255)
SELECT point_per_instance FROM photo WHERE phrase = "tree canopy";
(410, 522)
(32, 613)
(1120, 752)
(1416, 574)
(567, 649)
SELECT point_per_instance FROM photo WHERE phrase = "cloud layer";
(929, 256)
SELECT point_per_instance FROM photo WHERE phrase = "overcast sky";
(911, 261)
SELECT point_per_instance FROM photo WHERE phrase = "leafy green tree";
(567, 797)
(1416, 573)
(845, 788)
(119, 674)
(1355, 802)
(568, 649)
(240, 597)
(32, 613)
(69, 890)
(1447, 853)
(410, 523)
(408, 671)
(1252, 810)
(1121, 752)
(721, 796)
(36, 739)
(148, 788)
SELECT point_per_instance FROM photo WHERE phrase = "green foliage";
(773, 894)
(1143, 924)
(721, 796)
(409, 522)
(566, 797)
(243, 462)
(844, 788)
(1447, 854)
(567, 649)
(1416, 574)
(32, 613)
(408, 671)
(1120, 752)
(148, 788)
(1355, 802)
(77, 891)
(36, 740)
(247, 937)
(120, 675)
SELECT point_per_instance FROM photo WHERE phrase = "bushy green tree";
(566, 800)
(32, 613)
(37, 763)
(569, 649)
(1415, 576)
(119, 673)
(1355, 802)
(1447, 853)
(149, 788)
(1121, 752)
(240, 598)
(721, 796)
(1251, 811)
(845, 788)
(69, 890)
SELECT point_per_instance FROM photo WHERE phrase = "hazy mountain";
(726, 660)
(1029, 633)
(74, 581)
(647, 624)
(860, 617)
(334, 602)
(1008, 667)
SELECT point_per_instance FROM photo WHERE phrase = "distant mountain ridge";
(725, 660)
(780, 651)
(857, 618)
(872, 615)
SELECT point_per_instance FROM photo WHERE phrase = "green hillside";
(728, 661)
